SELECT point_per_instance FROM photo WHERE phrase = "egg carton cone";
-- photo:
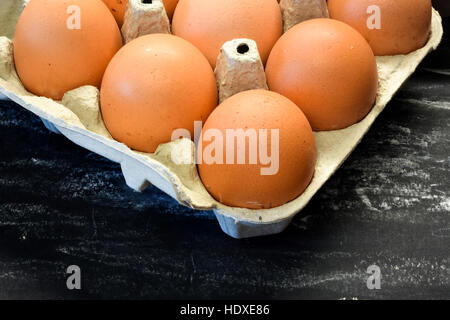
(239, 68)
(297, 11)
(144, 18)
(78, 118)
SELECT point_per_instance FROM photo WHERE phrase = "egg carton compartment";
(78, 118)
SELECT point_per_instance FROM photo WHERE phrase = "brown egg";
(118, 8)
(62, 45)
(326, 68)
(275, 127)
(403, 25)
(209, 24)
(154, 85)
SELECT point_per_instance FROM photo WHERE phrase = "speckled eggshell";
(405, 24)
(154, 85)
(243, 185)
(118, 8)
(51, 58)
(328, 69)
(209, 24)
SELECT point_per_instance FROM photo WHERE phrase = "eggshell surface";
(243, 184)
(209, 24)
(328, 69)
(118, 8)
(62, 45)
(390, 27)
(154, 85)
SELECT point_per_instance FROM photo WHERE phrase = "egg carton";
(79, 119)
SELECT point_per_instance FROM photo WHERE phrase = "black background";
(388, 205)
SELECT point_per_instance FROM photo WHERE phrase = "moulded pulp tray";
(181, 181)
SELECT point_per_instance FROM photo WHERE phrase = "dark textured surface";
(388, 205)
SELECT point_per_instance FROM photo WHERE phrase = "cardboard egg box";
(78, 118)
